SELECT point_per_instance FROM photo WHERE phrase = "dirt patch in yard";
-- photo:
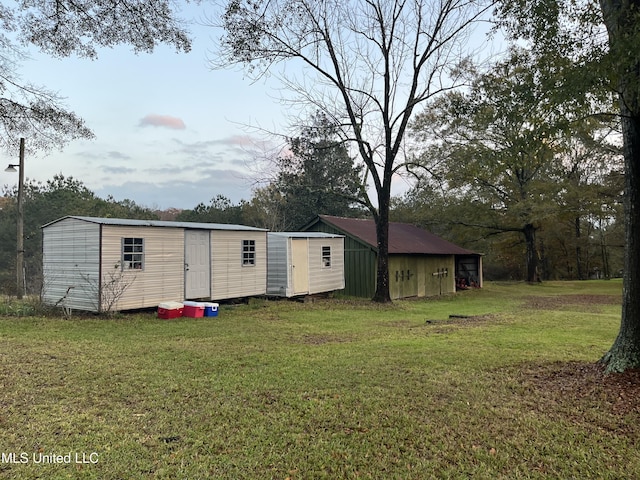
(321, 339)
(576, 387)
(561, 301)
(454, 319)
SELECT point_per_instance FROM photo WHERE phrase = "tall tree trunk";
(604, 254)
(621, 18)
(382, 293)
(579, 272)
(625, 352)
(529, 232)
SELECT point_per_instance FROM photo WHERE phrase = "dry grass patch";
(559, 302)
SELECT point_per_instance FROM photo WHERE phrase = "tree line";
(565, 212)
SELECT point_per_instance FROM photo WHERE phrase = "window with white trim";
(248, 253)
(326, 257)
(132, 253)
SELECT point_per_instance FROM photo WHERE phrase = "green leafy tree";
(592, 189)
(220, 210)
(600, 45)
(497, 148)
(62, 28)
(317, 176)
(266, 209)
(366, 64)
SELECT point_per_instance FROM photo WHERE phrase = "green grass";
(332, 389)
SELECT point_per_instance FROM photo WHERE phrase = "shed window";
(326, 257)
(248, 253)
(132, 253)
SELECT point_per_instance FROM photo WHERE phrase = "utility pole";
(20, 222)
(20, 227)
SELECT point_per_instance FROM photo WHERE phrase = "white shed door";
(197, 264)
(300, 265)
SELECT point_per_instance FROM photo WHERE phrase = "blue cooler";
(211, 309)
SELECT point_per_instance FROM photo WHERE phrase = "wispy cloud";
(115, 155)
(117, 170)
(165, 193)
(166, 121)
(238, 141)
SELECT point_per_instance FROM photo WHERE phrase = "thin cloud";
(238, 141)
(166, 121)
(113, 154)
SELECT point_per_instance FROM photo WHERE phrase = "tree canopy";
(501, 147)
(317, 175)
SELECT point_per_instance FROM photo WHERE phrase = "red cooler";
(170, 310)
(193, 309)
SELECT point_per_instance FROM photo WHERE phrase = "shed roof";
(128, 222)
(306, 235)
(403, 237)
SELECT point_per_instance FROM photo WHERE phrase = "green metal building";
(421, 264)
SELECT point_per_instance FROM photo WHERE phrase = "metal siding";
(278, 265)
(162, 278)
(70, 264)
(323, 279)
(229, 278)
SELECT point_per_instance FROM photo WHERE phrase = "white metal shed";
(100, 264)
(304, 263)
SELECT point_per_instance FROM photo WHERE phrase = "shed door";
(197, 264)
(300, 265)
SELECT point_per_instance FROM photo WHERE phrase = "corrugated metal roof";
(306, 234)
(128, 222)
(403, 237)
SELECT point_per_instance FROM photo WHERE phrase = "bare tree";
(365, 64)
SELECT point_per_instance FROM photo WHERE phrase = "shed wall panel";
(162, 277)
(413, 275)
(229, 277)
(70, 265)
(321, 278)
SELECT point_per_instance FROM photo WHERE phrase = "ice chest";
(169, 310)
(193, 309)
(210, 309)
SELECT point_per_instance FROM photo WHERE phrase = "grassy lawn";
(331, 389)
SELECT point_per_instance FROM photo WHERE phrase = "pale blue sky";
(170, 132)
